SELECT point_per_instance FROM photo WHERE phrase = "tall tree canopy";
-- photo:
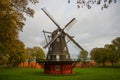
(11, 22)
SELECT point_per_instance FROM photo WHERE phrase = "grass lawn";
(80, 74)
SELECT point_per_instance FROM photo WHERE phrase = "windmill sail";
(46, 12)
(61, 30)
(74, 41)
(69, 23)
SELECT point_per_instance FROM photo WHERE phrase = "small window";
(57, 57)
(57, 67)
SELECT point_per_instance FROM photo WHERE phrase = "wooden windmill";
(58, 59)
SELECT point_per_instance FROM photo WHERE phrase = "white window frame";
(57, 57)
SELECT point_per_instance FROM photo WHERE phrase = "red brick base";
(65, 68)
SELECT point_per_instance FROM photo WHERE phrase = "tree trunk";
(103, 64)
(115, 63)
(112, 63)
(98, 64)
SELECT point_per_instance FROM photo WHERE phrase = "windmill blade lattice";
(46, 12)
(74, 41)
(69, 23)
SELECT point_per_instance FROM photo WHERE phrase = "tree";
(11, 22)
(13, 54)
(4, 59)
(99, 55)
(114, 51)
(35, 54)
(29, 54)
(112, 54)
(83, 56)
(103, 55)
(116, 43)
(90, 3)
(39, 53)
(95, 55)
(18, 54)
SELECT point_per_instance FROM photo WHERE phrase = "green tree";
(112, 55)
(114, 51)
(116, 43)
(19, 55)
(95, 55)
(110, 52)
(35, 54)
(103, 55)
(39, 53)
(99, 55)
(83, 56)
(4, 59)
(11, 22)
(29, 54)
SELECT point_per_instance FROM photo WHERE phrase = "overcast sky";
(94, 27)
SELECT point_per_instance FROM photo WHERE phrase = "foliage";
(79, 74)
(83, 56)
(19, 55)
(116, 43)
(38, 52)
(13, 54)
(35, 54)
(4, 59)
(99, 55)
(11, 22)
(110, 53)
(113, 57)
(90, 3)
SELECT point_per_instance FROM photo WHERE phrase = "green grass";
(80, 74)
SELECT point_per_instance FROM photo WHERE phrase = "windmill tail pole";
(45, 37)
(52, 40)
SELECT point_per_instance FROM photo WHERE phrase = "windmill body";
(58, 59)
(58, 50)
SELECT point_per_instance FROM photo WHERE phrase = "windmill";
(58, 59)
